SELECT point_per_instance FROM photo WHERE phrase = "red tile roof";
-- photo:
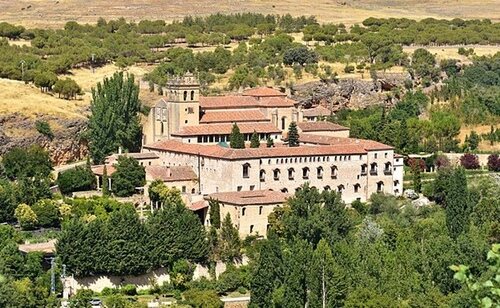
(99, 169)
(229, 101)
(368, 145)
(263, 92)
(171, 173)
(216, 151)
(276, 102)
(198, 205)
(138, 156)
(254, 197)
(317, 112)
(46, 248)
(230, 116)
(396, 155)
(225, 129)
(320, 126)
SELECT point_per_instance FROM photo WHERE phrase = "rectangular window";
(190, 110)
(239, 188)
(252, 187)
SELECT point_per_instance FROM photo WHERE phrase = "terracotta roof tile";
(319, 111)
(225, 129)
(254, 197)
(99, 169)
(320, 126)
(216, 151)
(138, 156)
(368, 145)
(263, 92)
(198, 205)
(171, 173)
(230, 116)
(230, 101)
(276, 102)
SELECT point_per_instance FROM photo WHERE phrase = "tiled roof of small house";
(99, 169)
(225, 129)
(171, 173)
(231, 116)
(254, 197)
(320, 126)
(216, 151)
(319, 111)
(263, 92)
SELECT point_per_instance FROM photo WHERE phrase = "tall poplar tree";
(236, 140)
(114, 119)
(293, 135)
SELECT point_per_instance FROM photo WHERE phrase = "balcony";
(387, 171)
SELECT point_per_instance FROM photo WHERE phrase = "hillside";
(55, 13)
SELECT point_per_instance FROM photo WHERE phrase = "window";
(239, 188)
(376, 155)
(252, 187)
(388, 168)
(251, 228)
(190, 110)
(283, 123)
(185, 121)
(243, 211)
(364, 168)
(396, 183)
(246, 168)
(184, 189)
(291, 173)
(161, 128)
(284, 190)
(193, 191)
(327, 188)
(262, 175)
(334, 170)
(357, 187)
(385, 155)
(276, 174)
(373, 169)
(192, 95)
(340, 188)
(319, 172)
(380, 186)
(185, 95)
(305, 173)
(260, 209)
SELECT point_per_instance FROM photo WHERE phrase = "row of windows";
(225, 138)
(311, 159)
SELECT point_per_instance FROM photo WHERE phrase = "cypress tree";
(236, 140)
(105, 182)
(295, 281)
(255, 140)
(293, 135)
(458, 203)
(417, 177)
(229, 242)
(214, 213)
(270, 142)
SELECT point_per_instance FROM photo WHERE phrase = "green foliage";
(106, 191)
(293, 135)
(269, 142)
(46, 212)
(181, 273)
(233, 278)
(129, 174)
(229, 242)
(77, 179)
(214, 213)
(26, 216)
(27, 163)
(202, 299)
(299, 55)
(236, 140)
(255, 140)
(44, 128)
(67, 88)
(8, 201)
(114, 119)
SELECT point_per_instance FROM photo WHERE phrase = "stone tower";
(180, 107)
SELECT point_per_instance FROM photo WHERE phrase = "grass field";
(54, 13)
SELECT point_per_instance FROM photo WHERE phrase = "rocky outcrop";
(349, 93)
(67, 145)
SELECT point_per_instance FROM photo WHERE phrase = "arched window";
(380, 186)
(185, 95)
(251, 228)
(276, 174)
(260, 209)
(284, 190)
(388, 168)
(327, 188)
(192, 95)
(193, 191)
(283, 123)
(262, 175)
(319, 172)
(243, 210)
(246, 170)
(305, 173)
(162, 129)
(291, 173)
(357, 186)
(373, 169)
(340, 188)
(334, 170)
(364, 169)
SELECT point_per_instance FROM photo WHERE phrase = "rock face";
(348, 93)
(19, 131)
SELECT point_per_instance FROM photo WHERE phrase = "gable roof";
(253, 197)
(368, 145)
(320, 126)
(171, 173)
(231, 116)
(228, 101)
(219, 152)
(225, 129)
(263, 92)
(317, 112)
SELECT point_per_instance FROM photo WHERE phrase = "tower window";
(192, 95)
(185, 95)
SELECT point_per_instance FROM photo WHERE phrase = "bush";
(382, 203)
(494, 163)
(26, 217)
(181, 273)
(469, 161)
(44, 128)
(360, 207)
(428, 190)
(232, 279)
(129, 289)
(47, 213)
(109, 291)
(202, 299)
(76, 179)
(349, 69)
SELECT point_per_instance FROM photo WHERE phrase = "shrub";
(360, 207)
(76, 179)
(26, 216)
(46, 212)
(202, 299)
(109, 291)
(348, 69)
(494, 163)
(44, 128)
(232, 279)
(181, 273)
(129, 289)
(469, 161)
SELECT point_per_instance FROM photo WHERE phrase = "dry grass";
(446, 52)
(480, 129)
(55, 13)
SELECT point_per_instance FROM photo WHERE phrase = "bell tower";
(183, 95)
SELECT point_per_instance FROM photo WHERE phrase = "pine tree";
(269, 142)
(255, 140)
(114, 119)
(293, 135)
(236, 140)
(229, 242)
(105, 182)
(326, 279)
